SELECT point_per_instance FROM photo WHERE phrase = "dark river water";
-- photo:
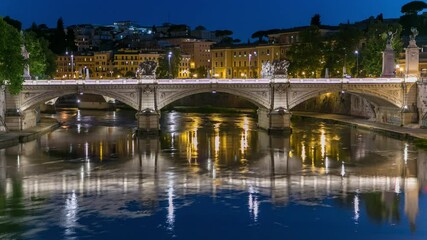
(211, 176)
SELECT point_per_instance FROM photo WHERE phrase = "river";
(211, 176)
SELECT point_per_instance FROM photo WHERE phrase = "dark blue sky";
(242, 17)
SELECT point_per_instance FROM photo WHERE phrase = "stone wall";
(24, 120)
(360, 107)
(2, 108)
(338, 103)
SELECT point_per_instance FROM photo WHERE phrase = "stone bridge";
(275, 98)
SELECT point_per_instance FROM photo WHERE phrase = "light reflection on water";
(211, 171)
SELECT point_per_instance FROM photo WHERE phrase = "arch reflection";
(210, 155)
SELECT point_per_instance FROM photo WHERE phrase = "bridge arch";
(377, 96)
(30, 100)
(259, 98)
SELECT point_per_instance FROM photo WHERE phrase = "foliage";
(70, 40)
(421, 143)
(50, 59)
(178, 28)
(37, 59)
(10, 48)
(202, 72)
(315, 20)
(413, 7)
(117, 72)
(14, 23)
(129, 74)
(200, 28)
(58, 43)
(222, 33)
(169, 66)
(260, 35)
(339, 51)
(376, 38)
(306, 57)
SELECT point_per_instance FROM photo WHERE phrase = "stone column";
(21, 120)
(275, 121)
(280, 121)
(263, 118)
(412, 57)
(148, 121)
(388, 68)
(422, 104)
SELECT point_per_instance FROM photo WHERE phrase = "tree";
(339, 51)
(376, 38)
(10, 48)
(37, 59)
(200, 28)
(223, 33)
(129, 74)
(306, 57)
(169, 64)
(315, 20)
(412, 19)
(413, 7)
(14, 23)
(70, 40)
(59, 40)
(201, 72)
(260, 35)
(42, 60)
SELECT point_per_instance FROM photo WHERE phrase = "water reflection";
(106, 172)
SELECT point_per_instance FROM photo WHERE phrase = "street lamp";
(250, 58)
(169, 62)
(398, 70)
(357, 62)
(72, 63)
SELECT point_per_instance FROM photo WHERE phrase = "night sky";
(242, 17)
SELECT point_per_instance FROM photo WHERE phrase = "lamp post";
(250, 56)
(357, 62)
(169, 64)
(72, 63)
(250, 66)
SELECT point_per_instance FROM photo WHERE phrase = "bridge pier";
(18, 121)
(148, 122)
(275, 121)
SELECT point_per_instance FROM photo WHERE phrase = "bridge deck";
(220, 81)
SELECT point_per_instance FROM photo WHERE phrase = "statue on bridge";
(146, 69)
(266, 70)
(412, 37)
(277, 68)
(26, 56)
(390, 36)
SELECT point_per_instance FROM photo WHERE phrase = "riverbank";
(396, 131)
(13, 137)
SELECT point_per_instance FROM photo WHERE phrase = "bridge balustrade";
(219, 81)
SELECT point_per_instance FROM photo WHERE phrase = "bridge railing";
(219, 81)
